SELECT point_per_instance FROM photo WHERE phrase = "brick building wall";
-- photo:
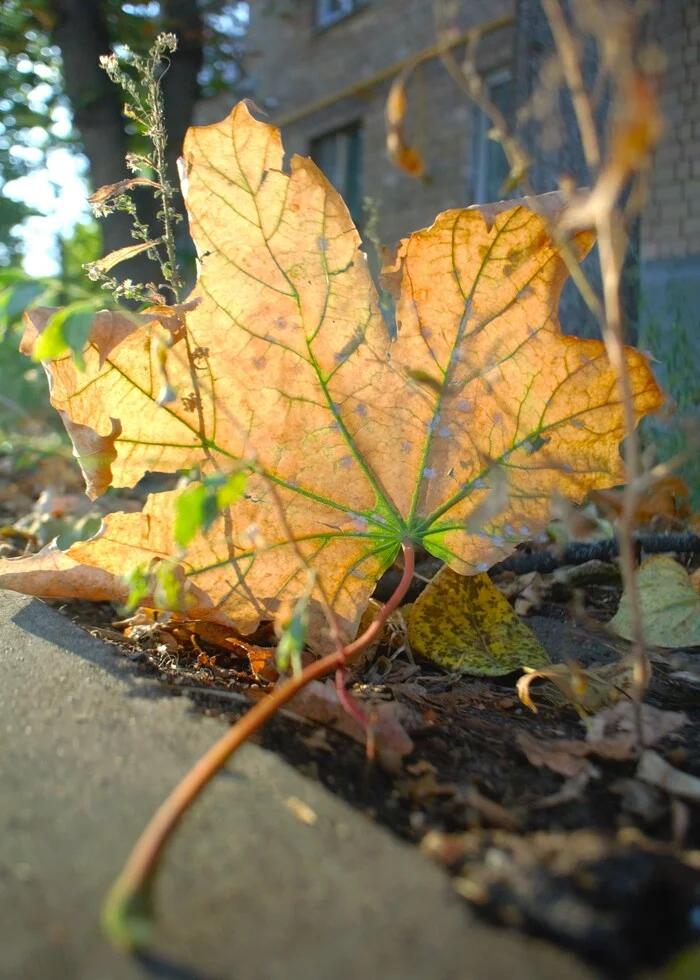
(671, 225)
(299, 64)
(670, 239)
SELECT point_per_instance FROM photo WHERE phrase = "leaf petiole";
(128, 913)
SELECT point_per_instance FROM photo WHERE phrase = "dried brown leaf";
(295, 366)
(319, 702)
(568, 757)
(653, 769)
(612, 734)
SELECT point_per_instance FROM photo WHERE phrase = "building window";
(490, 167)
(339, 155)
(327, 12)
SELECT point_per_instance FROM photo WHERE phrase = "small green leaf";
(293, 640)
(198, 507)
(232, 490)
(189, 514)
(139, 585)
(168, 593)
(66, 329)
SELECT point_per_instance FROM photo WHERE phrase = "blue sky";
(59, 189)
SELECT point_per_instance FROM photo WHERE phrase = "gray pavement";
(88, 748)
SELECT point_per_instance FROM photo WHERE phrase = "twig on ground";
(579, 552)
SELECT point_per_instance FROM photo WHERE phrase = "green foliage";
(293, 639)
(144, 104)
(168, 586)
(23, 396)
(138, 582)
(84, 243)
(17, 293)
(67, 329)
(24, 401)
(35, 112)
(198, 507)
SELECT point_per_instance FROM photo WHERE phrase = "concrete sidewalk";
(248, 892)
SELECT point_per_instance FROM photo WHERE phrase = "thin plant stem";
(612, 243)
(608, 314)
(470, 83)
(574, 80)
(160, 139)
(613, 335)
(136, 878)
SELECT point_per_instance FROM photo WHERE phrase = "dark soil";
(604, 874)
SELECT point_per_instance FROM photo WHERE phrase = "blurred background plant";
(26, 417)
(63, 133)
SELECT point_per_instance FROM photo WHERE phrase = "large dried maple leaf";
(366, 441)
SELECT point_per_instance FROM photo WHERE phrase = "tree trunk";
(180, 83)
(82, 34)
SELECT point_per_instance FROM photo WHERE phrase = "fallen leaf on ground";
(640, 799)
(529, 589)
(571, 789)
(670, 606)
(393, 633)
(568, 757)
(653, 769)
(533, 589)
(586, 690)
(53, 574)
(464, 623)
(663, 505)
(612, 733)
(425, 787)
(319, 702)
(289, 361)
(494, 813)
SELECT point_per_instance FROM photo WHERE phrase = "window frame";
(480, 143)
(353, 131)
(325, 17)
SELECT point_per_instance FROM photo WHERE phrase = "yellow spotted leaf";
(286, 361)
(669, 604)
(464, 623)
